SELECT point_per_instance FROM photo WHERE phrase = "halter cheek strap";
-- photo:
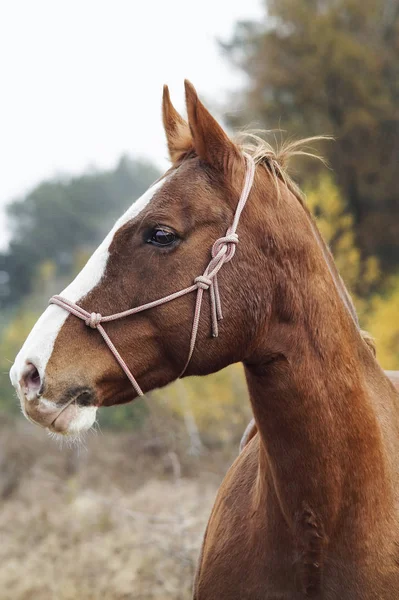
(222, 252)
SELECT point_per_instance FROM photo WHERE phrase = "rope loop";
(93, 320)
(227, 242)
(203, 282)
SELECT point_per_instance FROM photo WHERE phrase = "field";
(121, 517)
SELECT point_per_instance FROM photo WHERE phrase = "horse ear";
(211, 143)
(177, 131)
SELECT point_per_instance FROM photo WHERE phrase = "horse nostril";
(31, 381)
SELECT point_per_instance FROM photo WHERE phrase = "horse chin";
(69, 422)
(74, 420)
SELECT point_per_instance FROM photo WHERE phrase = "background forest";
(309, 67)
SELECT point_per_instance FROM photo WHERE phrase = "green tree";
(60, 216)
(336, 225)
(383, 324)
(332, 66)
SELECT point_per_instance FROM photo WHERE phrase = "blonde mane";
(276, 157)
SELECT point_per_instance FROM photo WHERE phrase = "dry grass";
(122, 519)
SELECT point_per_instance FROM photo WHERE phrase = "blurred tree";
(377, 310)
(217, 404)
(12, 334)
(59, 216)
(383, 324)
(332, 66)
(335, 222)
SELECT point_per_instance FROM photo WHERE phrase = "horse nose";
(30, 381)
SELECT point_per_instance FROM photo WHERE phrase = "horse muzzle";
(74, 413)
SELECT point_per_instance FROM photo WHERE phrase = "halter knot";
(93, 320)
(203, 282)
(227, 242)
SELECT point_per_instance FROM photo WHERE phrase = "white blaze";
(39, 345)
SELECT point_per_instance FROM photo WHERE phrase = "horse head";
(176, 237)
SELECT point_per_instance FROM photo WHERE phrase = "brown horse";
(310, 509)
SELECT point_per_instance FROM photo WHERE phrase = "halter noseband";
(222, 252)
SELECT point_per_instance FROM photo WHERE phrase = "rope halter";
(222, 252)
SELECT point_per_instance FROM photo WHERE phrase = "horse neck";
(317, 394)
(321, 458)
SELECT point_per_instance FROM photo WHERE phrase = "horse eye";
(161, 237)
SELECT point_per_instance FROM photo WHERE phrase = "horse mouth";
(64, 418)
(67, 417)
(77, 415)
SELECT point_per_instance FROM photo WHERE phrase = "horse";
(221, 262)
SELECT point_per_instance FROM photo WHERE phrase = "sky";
(81, 80)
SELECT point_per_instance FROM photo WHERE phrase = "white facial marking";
(39, 345)
(85, 419)
(82, 422)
